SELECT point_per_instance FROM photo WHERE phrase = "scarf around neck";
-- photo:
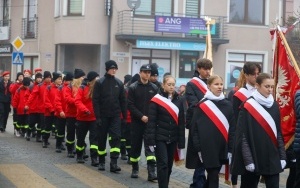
(209, 95)
(267, 102)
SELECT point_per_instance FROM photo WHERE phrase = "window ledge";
(247, 25)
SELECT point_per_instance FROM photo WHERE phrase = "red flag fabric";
(287, 83)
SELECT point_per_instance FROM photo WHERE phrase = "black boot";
(58, 145)
(28, 135)
(85, 156)
(79, 157)
(151, 172)
(113, 166)
(128, 156)
(135, 170)
(45, 143)
(94, 157)
(70, 148)
(38, 137)
(123, 151)
(101, 166)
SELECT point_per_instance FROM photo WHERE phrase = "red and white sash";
(200, 84)
(168, 105)
(243, 94)
(218, 118)
(263, 118)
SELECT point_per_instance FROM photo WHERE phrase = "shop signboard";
(170, 45)
(172, 24)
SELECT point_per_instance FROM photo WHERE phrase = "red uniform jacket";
(60, 102)
(69, 96)
(12, 89)
(84, 104)
(37, 92)
(36, 106)
(49, 97)
(19, 100)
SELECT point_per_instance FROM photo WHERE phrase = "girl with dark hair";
(259, 148)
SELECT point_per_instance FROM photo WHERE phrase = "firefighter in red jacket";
(12, 89)
(70, 93)
(19, 104)
(86, 120)
(35, 116)
(37, 94)
(60, 109)
(49, 98)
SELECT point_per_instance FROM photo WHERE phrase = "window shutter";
(192, 8)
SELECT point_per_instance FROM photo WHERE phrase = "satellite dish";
(133, 4)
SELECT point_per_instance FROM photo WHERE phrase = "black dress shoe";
(101, 166)
(62, 147)
(135, 174)
(94, 162)
(58, 150)
(1, 130)
(70, 155)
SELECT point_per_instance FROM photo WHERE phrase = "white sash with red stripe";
(218, 118)
(243, 94)
(168, 105)
(200, 84)
(263, 118)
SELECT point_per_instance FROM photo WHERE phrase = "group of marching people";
(243, 131)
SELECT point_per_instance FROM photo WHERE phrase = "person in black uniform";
(212, 130)
(259, 147)
(109, 102)
(139, 95)
(5, 99)
(166, 128)
(195, 90)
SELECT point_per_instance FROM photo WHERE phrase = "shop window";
(247, 12)
(150, 8)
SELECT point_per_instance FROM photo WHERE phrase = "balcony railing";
(131, 24)
(29, 28)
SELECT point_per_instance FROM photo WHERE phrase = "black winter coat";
(193, 95)
(139, 96)
(5, 95)
(109, 98)
(297, 132)
(253, 145)
(161, 125)
(207, 139)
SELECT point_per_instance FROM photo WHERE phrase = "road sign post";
(17, 58)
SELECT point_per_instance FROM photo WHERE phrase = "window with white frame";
(30, 19)
(155, 7)
(75, 7)
(235, 63)
(247, 12)
(57, 8)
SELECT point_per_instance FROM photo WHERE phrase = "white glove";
(200, 157)
(229, 155)
(152, 148)
(283, 163)
(250, 167)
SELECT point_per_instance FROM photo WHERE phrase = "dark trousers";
(4, 112)
(199, 179)
(123, 138)
(297, 182)
(128, 139)
(71, 130)
(23, 122)
(250, 180)
(15, 117)
(213, 177)
(234, 179)
(60, 124)
(47, 127)
(110, 126)
(164, 160)
(137, 135)
(35, 119)
(81, 130)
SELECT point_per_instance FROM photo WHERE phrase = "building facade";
(67, 34)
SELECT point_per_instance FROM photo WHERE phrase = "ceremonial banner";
(286, 75)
